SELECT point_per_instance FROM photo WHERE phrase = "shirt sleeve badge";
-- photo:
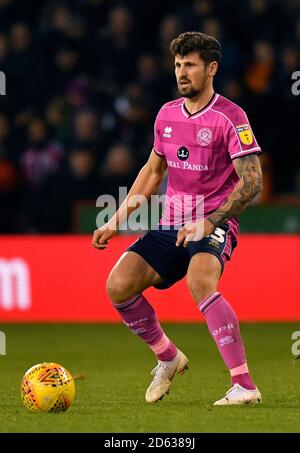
(245, 134)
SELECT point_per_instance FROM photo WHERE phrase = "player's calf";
(141, 319)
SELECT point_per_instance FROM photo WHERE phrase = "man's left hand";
(194, 232)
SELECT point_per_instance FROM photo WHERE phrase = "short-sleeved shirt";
(199, 149)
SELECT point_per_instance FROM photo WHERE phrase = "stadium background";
(84, 81)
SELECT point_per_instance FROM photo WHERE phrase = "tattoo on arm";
(250, 184)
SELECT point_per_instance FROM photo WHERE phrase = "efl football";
(47, 387)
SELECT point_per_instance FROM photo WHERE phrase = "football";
(47, 387)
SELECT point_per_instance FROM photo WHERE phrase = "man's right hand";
(102, 236)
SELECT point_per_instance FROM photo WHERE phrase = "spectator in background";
(37, 161)
(10, 196)
(258, 83)
(19, 67)
(152, 80)
(55, 24)
(62, 191)
(118, 170)
(231, 59)
(87, 132)
(286, 175)
(297, 32)
(262, 20)
(83, 176)
(169, 27)
(289, 62)
(66, 66)
(6, 141)
(10, 180)
(78, 93)
(56, 114)
(96, 12)
(193, 18)
(3, 50)
(6, 10)
(134, 116)
(259, 72)
(41, 156)
(116, 48)
(232, 89)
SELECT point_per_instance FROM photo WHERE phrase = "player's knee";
(114, 287)
(118, 288)
(201, 287)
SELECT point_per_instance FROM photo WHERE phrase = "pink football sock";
(240, 375)
(244, 380)
(224, 328)
(141, 319)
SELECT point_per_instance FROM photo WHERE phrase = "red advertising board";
(62, 279)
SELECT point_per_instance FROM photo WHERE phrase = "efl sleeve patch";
(245, 134)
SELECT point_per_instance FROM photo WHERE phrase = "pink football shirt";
(199, 150)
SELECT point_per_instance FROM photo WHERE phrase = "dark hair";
(207, 46)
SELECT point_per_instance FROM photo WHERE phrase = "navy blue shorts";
(158, 248)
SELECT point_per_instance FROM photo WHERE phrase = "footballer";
(206, 144)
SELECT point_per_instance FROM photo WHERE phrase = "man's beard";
(188, 92)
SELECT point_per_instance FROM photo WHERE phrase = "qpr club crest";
(204, 136)
(183, 153)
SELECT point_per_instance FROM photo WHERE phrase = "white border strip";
(191, 117)
(246, 151)
(201, 307)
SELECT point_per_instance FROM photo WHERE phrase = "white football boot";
(239, 395)
(163, 375)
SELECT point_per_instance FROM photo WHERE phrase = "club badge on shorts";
(245, 134)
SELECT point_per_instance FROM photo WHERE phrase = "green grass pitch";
(117, 368)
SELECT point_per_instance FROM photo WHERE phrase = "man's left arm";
(249, 185)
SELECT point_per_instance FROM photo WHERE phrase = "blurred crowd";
(85, 79)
